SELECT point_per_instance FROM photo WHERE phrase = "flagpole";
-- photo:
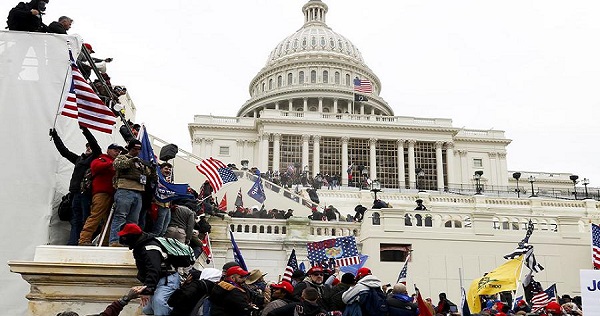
(62, 91)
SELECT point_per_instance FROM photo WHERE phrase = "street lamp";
(516, 176)
(375, 187)
(532, 180)
(360, 168)
(585, 183)
(477, 177)
(419, 173)
(574, 178)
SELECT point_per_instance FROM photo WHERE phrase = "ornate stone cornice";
(492, 154)
(197, 140)
(462, 152)
(502, 155)
(449, 145)
(209, 140)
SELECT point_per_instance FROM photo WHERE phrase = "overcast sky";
(530, 68)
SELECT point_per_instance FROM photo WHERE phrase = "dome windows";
(347, 79)
(313, 76)
(325, 76)
(313, 42)
(332, 43)
(301, 77)
(322, 41)
(337, 77)
(270, 84)
(304, 43)
(295, 43)
(290, 79)
(279, 81)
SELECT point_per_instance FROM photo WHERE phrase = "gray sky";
(530, 68)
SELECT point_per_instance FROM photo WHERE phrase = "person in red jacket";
(102, 192)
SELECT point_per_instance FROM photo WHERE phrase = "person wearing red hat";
(281, 295)
(228, 297)
(160, 279)
(368, 287)
(553, 309)
(315, 280)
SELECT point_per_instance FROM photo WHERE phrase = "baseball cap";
(284, 285)
(553, 307)
(236, 270)
(362, 272)
(89, 47)
(134, 143)
(116, 146)
(130, 229)
(315, 269)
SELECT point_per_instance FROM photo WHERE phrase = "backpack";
(375, 303)
(179, 255)
(64, 208)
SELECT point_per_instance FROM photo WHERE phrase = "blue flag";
(302, 267)
(354, 268)
(463, 303)
(165, 191)
(237, 255)
(257, 191)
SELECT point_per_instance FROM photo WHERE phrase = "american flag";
(342, 249)
(292, 265)
(83, 104)
(541, 299)
(596, 246)
(362, 85)
(404, 271)
(216, 172)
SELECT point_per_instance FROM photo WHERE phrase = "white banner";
(590, 291)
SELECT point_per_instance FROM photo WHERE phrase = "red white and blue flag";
(596, 246)
(84, 105)
(341, 251)
(404, 271)
(541, 299)
(216, 172)
(362, 86)
(292, 265)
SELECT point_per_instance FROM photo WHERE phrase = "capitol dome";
(313, 70)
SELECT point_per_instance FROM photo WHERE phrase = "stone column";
(290, 105)
(373, 158)
(362, 108)
(503, 178)
(350, 109)
(276, 138)
(305, 104)
(264, 153)
(305, 139)
(464, 167)
(401, 172)
(277, 105)
(335, 108)
(320, 105)
(240, 149)
(198, 146)
(450, 163)
(439, 163)
(493, 167)
(411, 163)
(255, 113)
(250, 152)
(345, 164)
(316, 154)
(209, 148)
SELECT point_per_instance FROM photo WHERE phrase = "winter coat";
(24, 20)
(185, 219)
(82, 163)
(334, 297)
(187, 296)
(362, 286)
(57, 28)
(129, 170)
(148, 256)
(103, 173)
(306, 308)
(321, 288)
(228, 299)
(401, 305)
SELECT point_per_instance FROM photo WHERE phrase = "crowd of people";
(319, 292)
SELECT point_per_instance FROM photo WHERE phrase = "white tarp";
(33, 69)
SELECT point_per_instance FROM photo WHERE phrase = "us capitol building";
(302, 113)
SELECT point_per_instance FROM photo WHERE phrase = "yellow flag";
(503, 278)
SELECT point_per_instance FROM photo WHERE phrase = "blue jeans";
(162, 221)
(80, 207)
(128, 204)
(157, 305)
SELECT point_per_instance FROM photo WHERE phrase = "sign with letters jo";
(590, 291)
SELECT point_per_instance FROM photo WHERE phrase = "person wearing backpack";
(102, 190)
(365, 298)
(28, 16)
(159, 277)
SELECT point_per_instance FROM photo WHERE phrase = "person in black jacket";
(228, 297)
(160, 279)
(80, 202)
(400, 303)
(197, 286)
(27, 16)
(61, 26)
(334, 297)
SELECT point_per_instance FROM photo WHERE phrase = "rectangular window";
(478, 163)
(223, 150)
(394, 252)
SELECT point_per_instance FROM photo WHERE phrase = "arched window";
(377, 219)
(263, 87)
(270, 84)
(279, 81)
(312, 109)
(347, 79)
(337, 77)
(419, 219)
(325, 110)
(428, 221)
(301, 77)
(289, 81)
(325, 76)
(407, 220)
(313, 76)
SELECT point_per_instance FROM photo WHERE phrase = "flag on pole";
(237, 254)
(503, 278)
(360, 98)
(596, 246)
(403, 272)
(464, 306)
(362, 85)
(292, 265)
(541, 299)
(223, 204)
(423, 308)
(530, 261)
(341, 250)
(83, 104)
(216, 172)
(523, 246)
(239, 201)
(206, 248)
(257, 191)
(354, 267)
(165, 191)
